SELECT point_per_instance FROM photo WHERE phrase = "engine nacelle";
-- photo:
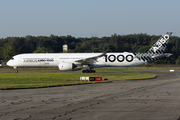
(65, 66)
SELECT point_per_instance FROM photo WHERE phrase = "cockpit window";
(12, 58)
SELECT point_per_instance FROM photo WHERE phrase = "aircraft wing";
(163, 55)
(91, 60)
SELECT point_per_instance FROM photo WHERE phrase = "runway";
(154, 99)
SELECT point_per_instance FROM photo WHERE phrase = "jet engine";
(64, 66)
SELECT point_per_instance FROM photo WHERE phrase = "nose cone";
(8, 63)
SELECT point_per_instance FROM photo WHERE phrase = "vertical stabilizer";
(157, 50)
(160, 45)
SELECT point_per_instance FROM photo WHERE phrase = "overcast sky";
(87, 18)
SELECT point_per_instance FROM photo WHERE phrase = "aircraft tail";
(157, 50)
(160, 46)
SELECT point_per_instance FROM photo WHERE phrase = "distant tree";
(115, 43)
(110, 48)
(143, 49)
(8, 51)
(178, 61)
(42, 50)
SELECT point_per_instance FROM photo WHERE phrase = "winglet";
(92, 58)
(103, 54)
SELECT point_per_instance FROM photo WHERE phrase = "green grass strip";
(37, 80)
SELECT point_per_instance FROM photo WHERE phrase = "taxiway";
(154, 99)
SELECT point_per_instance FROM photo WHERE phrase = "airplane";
(89, 61)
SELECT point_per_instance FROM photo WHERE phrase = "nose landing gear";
(16, 69)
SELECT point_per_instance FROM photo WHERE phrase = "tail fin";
(157, 50)
(160, 45)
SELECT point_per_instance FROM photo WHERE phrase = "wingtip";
(104, 53)
(107, 50)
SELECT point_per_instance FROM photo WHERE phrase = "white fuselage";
(53, 59)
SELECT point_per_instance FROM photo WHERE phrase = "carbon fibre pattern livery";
(156, 52)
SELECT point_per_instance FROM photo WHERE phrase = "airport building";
(65, 48)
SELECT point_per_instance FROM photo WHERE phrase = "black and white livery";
(77, 61)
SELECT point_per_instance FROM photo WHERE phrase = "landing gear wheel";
(88, 71)
(16, 71)
(93, 71)
(84, 71)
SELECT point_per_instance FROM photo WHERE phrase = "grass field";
(43, 77)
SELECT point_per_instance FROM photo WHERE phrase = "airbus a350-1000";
(77, 61)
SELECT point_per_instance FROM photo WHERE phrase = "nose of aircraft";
(8, 63)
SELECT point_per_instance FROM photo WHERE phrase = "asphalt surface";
(153, 99)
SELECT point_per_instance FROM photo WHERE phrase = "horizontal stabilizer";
(163, 55)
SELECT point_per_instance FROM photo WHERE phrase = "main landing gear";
(88, 71)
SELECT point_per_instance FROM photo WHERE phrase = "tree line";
(11, 46)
